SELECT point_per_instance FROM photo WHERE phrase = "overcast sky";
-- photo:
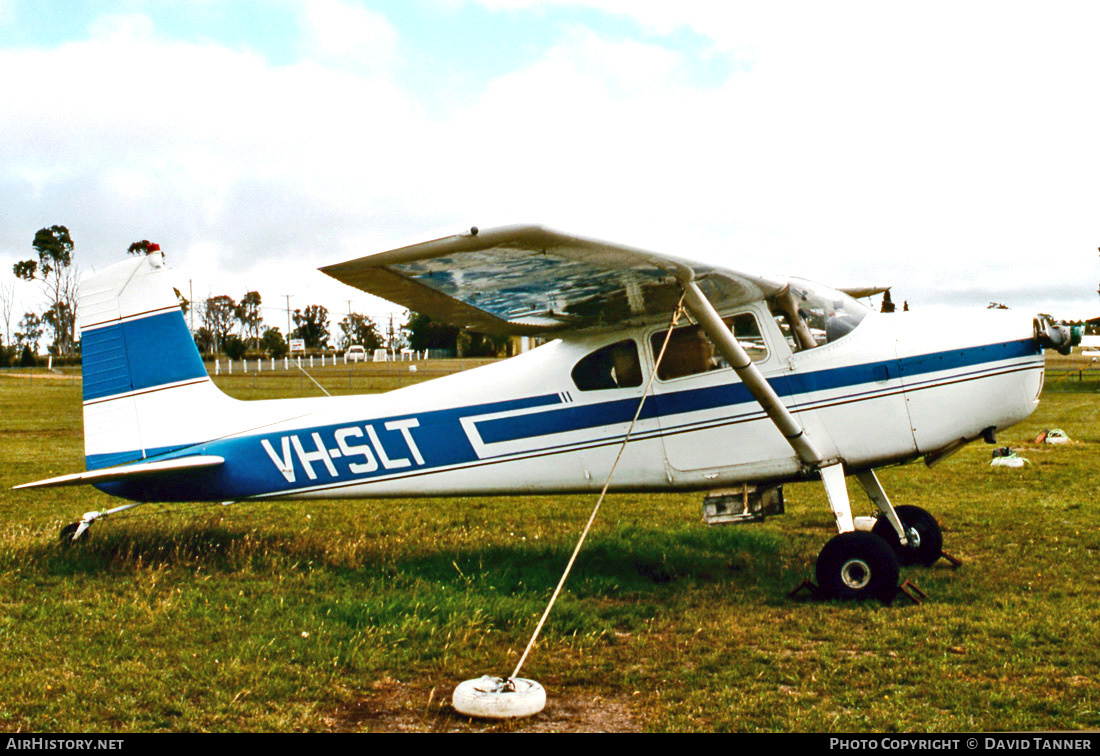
(950, 149)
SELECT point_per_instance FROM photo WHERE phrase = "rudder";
(146, 389)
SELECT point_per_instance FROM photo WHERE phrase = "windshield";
(810, 315)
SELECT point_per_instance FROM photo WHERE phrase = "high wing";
(528, 279)
(859, 292)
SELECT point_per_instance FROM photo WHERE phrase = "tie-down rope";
(676, 314)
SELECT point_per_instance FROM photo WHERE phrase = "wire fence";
(289, 377)
(58, 376)
(250, 380)
(1081, 380)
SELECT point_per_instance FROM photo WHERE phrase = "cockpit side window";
(613, 366)
(810, 316)
(691, 352)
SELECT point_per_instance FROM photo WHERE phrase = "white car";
(355, 353)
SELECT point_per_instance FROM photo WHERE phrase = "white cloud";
(130, 135)
(953, 142)
(338, 32)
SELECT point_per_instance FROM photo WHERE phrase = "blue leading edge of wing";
(139, 354)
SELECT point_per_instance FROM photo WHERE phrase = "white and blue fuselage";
(894, 388)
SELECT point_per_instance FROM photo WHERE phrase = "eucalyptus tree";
(55, 271)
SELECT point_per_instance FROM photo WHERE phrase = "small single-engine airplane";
(769, 380)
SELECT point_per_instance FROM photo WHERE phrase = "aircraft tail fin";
(146, 390)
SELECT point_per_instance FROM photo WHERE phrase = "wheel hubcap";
(913, 537)
(856, 574)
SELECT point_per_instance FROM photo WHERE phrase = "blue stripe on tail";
(139, 354)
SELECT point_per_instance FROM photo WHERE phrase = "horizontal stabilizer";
(128, 472)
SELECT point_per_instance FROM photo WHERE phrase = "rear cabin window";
(613, 366)
(690, 352)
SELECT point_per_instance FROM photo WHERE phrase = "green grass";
(351, 615)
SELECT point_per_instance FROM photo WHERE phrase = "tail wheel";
(857, 566)
(69, 531)
(922, 531)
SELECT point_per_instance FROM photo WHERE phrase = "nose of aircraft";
(1051, 335)
(969, 374)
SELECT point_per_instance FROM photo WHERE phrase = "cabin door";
(713, 430)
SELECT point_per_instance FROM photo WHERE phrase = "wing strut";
(831, 470)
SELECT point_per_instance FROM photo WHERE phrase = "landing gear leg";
(837, 492)
(75, 531)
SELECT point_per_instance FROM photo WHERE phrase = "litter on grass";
(1005, 457)
(1052, 436)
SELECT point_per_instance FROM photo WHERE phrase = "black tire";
(929, 538)
(66, 536)
(857, 566)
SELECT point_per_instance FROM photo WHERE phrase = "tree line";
(233, 328)
(237, 328)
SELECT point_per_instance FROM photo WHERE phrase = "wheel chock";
(808, 586)
(908, 588)
(955, 561)
(911, 591)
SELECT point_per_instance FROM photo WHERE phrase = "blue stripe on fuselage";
(252, 470)
(952, 359)
(584, 417)
(440, 440)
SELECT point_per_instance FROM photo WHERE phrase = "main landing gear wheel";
(923, 532)
(857, 566)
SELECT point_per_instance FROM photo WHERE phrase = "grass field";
(364, 615)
